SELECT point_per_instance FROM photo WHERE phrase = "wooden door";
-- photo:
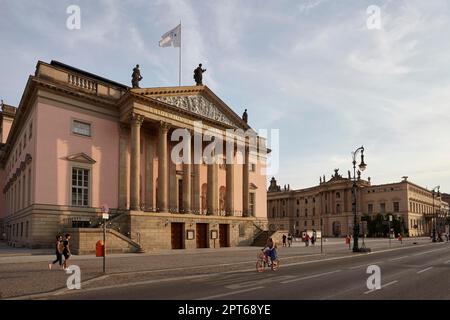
(223, 235)
(202, 235)
(177, 235)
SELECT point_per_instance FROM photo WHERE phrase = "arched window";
(338, 195)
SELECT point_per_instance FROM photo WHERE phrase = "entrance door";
(223, 235)
(177, 235)
(202, 234)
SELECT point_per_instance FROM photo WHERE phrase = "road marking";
(229, 293)
(365, 265)
(312, 276)
(383, 286)
(398, 258)
(425, 252)
(426, 269)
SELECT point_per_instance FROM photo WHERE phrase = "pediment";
(81, 157)
(253, 186)
(198, 100)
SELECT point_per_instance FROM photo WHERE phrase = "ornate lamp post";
(362, 166)
(433, 192)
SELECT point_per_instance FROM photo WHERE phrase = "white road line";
(229, 293)
(365, 265)
(426, 269)
(383, 286)
(312, 276)
(425, 252)
(398, 258)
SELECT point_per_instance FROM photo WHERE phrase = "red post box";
(99, 249)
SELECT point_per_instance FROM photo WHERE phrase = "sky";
(313, 69)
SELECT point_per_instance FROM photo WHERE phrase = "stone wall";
(83, 241)
(153, 230)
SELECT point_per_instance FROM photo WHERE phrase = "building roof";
(87, 74)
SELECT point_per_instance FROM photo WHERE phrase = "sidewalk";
(29, 274)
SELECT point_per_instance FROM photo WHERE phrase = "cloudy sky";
(311, 68)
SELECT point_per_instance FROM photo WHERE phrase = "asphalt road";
(414, 272)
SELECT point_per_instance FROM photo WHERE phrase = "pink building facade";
(78, 142)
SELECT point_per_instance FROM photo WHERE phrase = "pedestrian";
(313, 239)
(289, 239)
(58, 252)
(66, 250)
(284, 240)
(306, 240)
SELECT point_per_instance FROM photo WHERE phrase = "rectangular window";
(251, 205)
(370, 208)
(21, 229)
(306, 212)
(24, 141)
(20, 148)
(382, 207)
(396, 206)
(26, 230)
(30, 133)
(80, 187)
(29, 187)
(24, 195)
(252, 167)
(81, 128)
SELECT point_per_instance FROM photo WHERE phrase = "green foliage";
(378, 225)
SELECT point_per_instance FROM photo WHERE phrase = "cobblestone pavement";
(28, 274)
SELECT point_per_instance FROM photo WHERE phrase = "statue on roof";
(245, 116)
(198, 75)
(136, 77)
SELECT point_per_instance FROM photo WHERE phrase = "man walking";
(289, 239)
(284, 240)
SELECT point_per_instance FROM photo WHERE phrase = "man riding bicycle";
(270, 250)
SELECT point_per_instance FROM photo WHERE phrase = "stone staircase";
(261, 239)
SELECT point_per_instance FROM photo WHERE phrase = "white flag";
(171, 38)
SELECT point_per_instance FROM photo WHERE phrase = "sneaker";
(49, 266)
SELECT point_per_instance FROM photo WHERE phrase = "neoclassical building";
(78, 143)
(301, 210)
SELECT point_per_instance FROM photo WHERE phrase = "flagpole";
(179, 61)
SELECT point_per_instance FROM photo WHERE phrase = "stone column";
(173, 185)
(229, 200)
(162, 168)
(211, 194)
(245, 183)
(149, 154)
(136, 122)
(196, 189)
(123, 166)
(187, 180)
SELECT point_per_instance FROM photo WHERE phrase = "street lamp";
(362, 166)
(434, 212)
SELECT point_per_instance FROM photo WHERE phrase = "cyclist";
(270, 250)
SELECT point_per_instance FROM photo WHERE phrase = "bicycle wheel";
(259, 266)
(275, 265)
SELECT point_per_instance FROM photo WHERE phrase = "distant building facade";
(78, 144)
(302, 210)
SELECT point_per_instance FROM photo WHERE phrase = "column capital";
(164, 126)
(136, 118)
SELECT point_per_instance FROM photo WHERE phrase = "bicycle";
(263, 262)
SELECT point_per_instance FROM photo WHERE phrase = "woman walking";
(66, 250)
(58, 252)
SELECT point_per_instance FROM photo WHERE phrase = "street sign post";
(105, 216)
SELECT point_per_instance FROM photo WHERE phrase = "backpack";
(61, 246)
